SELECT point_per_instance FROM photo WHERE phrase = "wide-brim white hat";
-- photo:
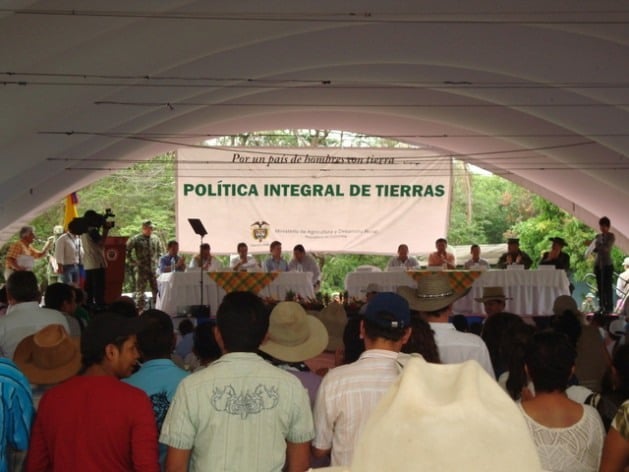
(451, 417)
(294, 336)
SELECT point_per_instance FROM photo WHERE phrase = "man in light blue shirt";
(16, 413)
(275, 263)
(158, 376)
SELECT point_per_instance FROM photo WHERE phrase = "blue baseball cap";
(388, 310)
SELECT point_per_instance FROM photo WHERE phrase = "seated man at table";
(514, 255)
(243, 261)
(275, 263)
(402, 259)
(302, 262)
(476, 261)
(172, 261)
(205, 260)
(441, 257)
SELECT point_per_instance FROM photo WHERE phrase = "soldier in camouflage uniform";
(143, 252)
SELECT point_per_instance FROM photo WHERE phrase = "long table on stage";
(178, 290)
(532, 292)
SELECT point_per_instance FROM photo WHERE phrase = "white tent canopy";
(535, 91)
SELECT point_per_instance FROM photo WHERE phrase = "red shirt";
(94, 423)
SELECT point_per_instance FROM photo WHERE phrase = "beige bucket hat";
(294, 336)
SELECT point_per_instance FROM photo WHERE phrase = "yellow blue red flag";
(71, 212)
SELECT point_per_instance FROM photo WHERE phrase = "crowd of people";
(277, 388)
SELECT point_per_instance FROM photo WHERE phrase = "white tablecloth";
(532, 291)
(180, 289)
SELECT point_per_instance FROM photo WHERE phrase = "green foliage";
(485, 207)
(549, 221)
(338, 265)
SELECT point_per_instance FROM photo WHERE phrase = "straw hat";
(492, 293)
(334, 319)
(294, 336)
(444, 418)
(49, 356)
(433, 293)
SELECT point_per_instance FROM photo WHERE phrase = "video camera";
(91, 219)
(96, 220)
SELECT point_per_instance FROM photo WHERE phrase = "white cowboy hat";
(444, 418)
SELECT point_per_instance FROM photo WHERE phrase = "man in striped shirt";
(349, 393)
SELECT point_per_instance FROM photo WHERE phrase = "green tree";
(550, 220)
(485, 208)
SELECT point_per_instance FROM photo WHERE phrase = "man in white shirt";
(476, 262)
(441, 257)
(402, 260)
(433, 299)
(302, 262)
(24, 315)
(69, 255)
(348, 394)
(243, 261)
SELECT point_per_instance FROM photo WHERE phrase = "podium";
(115, 253)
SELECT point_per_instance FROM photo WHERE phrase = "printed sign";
(357, 200)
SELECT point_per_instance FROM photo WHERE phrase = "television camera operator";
(94, 228)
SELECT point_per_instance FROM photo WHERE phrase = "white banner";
(357, 200)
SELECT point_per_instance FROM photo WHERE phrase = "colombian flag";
(71, 209)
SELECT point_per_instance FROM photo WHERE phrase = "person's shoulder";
(59, 393)
(469, 339)
(592, 416)
(126, 390)
(340, 374)
(51, 313)
(9, 372)
(150, 377)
